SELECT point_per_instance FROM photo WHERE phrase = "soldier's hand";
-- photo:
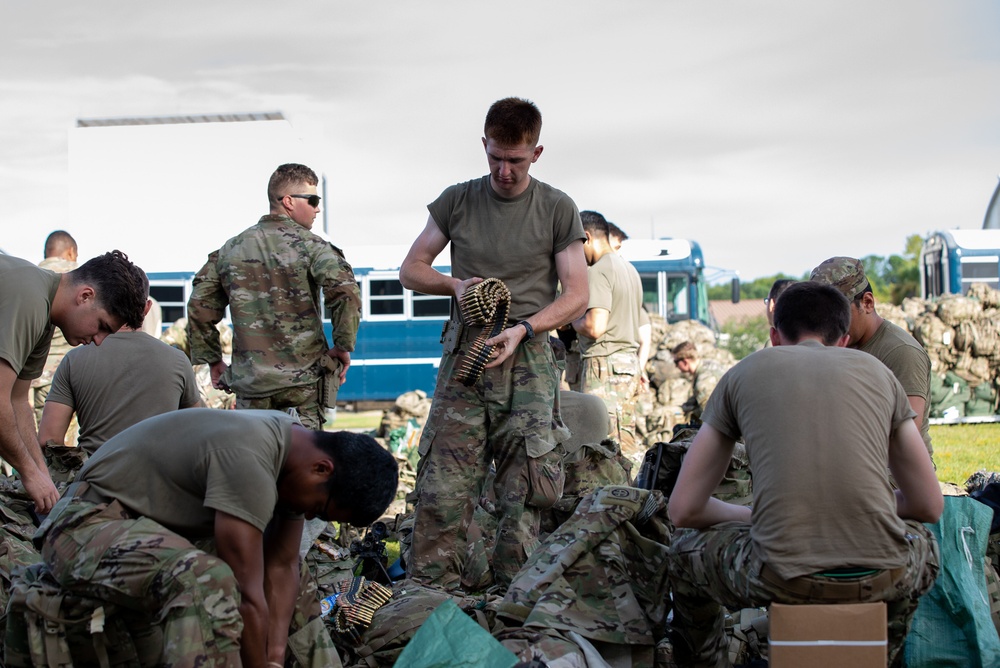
(344, 358)
(462, 286)
(504, 344)
(217, 369)
(39, 487)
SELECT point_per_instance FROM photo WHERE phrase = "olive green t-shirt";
(816, 422)
(131, 376)
(26, 294)
(515, 240)
(615, 286)
(179, 468)
(909, 362)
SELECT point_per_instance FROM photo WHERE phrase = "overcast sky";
(775, 134)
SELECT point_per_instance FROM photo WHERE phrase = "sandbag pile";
(658, 409)
(962, 337)
(399, 431)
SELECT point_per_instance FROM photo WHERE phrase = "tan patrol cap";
(847, 274)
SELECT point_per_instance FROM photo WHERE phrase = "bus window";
(650, 293)
(385, 297)
(431, 306)
(171, 300)
(979, 270)
(675, 291)
(677, 298)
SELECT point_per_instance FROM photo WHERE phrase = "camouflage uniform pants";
(101, 551)
(305, 399)
(718, 567)
(615, 379)
(574, 367)
(509, 418)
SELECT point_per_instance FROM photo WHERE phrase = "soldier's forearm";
(12, 448)
(345, 320)
(25, 417)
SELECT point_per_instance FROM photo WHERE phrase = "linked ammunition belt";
(355, 604)
(485, 304)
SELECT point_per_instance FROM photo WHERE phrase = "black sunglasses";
(312, 199)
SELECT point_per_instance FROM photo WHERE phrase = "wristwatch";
(528, 328)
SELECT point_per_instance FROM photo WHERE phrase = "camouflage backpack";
(662, 464)
(48, 627)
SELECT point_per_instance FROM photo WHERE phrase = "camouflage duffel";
(396, 622)
(544, 646)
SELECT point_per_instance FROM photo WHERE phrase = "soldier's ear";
(84, 294)
(323, 467)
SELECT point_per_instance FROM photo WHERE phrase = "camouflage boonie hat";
(847, 274)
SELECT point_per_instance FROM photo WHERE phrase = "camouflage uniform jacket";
(270, 275)
(705, 379)
(602, 574)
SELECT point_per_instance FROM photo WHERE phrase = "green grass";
(365, 420)
(959, 450)
(962, 449)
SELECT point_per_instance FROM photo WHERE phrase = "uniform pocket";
(546, 477)
(625, 364)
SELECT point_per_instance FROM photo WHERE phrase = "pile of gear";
(962, 337)
(660, 408)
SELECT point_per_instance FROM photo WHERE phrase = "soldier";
(616, 236)
(821, 423)
(123, 530)
(771, 300)
(101, 386)
(60, 257)
(872, 334)
(513, 227)
(270, 276)
(87, 304)
(705, 375)
(609, 332)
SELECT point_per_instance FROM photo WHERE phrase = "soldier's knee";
(205, 585)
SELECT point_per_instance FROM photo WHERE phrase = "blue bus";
(399, 338)
(952, 260)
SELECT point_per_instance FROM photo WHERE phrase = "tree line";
(893, 278)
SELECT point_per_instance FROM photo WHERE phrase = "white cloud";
(772, 132)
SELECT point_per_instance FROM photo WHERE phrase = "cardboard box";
(828, 636)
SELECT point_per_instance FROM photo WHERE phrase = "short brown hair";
(684, 351)
(512, 121)
(286, 175)
(58, 243)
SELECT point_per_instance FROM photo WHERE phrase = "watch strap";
(528, 328)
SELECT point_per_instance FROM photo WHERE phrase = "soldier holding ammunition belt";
(528, 234)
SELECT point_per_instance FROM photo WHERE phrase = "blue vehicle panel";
(953, 260)
(399, 337)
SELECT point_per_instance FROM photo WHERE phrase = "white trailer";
(168, 190)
